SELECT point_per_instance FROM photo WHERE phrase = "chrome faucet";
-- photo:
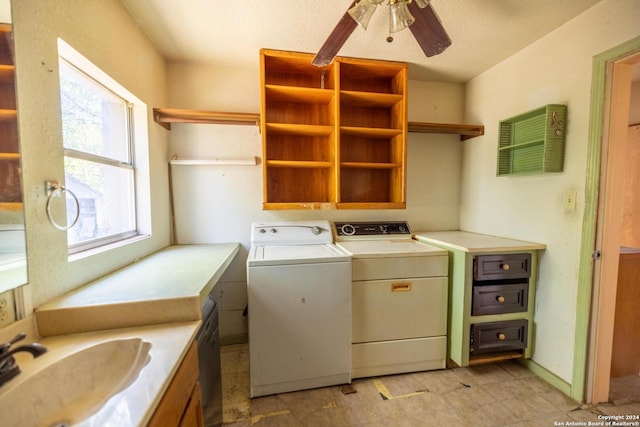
(8, 366)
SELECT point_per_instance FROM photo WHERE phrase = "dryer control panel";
(371, 229)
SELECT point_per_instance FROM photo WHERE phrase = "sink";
(73, 388)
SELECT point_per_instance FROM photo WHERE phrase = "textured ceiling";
(484, 32)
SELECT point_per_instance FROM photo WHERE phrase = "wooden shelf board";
(294, 129)
(369, 99)
(165, 116)
(495, 357)
(8, 116)
(369, 165)
(465, 131)
(298, 164)
(370, 132)
(371, 205)
(11, 206)
(298, 94)
(298, 205)
(9, 156)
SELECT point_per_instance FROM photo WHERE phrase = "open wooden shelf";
(465, 131)
(165, 116)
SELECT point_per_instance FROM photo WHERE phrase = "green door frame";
(592, 184)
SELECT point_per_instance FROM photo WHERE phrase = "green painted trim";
(585, 277)
(548, 376)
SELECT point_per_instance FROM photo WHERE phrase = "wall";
(219, 203)
(104, 33)
(555, 69)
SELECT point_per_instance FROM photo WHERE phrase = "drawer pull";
(502, 336)
(505, 267)
(500, 299)
(401, 287)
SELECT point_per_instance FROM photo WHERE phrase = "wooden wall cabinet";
(181, 404)
(10, 184)
(333, 137)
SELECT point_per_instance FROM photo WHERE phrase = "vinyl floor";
(499, 394)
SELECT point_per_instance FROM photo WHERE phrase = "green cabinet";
(506, 333)
(532, 142)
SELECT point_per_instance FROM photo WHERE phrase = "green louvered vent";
(532, 142)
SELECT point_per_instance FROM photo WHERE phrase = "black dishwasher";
(209, 364)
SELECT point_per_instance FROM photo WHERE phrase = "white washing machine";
(299, 292)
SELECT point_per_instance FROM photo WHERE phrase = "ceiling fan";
(418, 15)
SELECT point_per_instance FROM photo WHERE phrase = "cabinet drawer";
(499, 299)
(497, 267)
(498, 336)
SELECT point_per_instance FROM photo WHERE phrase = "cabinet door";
(193, 414)
(399, 309)
(179, 394)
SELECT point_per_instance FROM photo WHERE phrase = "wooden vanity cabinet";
(334, 136)
(10, 187)
(181, 404)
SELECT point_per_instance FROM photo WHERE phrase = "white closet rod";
(214, 162)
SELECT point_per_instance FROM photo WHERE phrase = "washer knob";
(273, 231)
(262, 231)
(316, 230)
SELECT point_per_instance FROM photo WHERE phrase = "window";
(101, 159)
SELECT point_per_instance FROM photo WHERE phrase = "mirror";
(13, 265)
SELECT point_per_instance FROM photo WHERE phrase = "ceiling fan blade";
(336, 40)
(428, 30)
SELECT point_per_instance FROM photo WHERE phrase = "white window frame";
(139, 154)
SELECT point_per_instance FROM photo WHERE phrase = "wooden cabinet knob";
(502, 337)
(500, 299)
(505, 267)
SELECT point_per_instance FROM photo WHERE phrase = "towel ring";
(54, 189)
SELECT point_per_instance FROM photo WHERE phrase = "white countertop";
(156, 299)
(474, 242)
(135, 405)
(167, 286)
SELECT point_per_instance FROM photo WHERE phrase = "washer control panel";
(371, 229)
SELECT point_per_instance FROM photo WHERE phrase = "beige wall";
(219, 203)
(555, 69)
(104, 33)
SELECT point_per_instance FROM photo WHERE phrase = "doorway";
(609, 181)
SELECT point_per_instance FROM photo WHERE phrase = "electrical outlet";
(7, 314)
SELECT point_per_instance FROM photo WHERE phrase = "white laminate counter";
(134, 405)
(474, 242)
(165, 287)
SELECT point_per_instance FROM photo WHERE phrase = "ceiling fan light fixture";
(362, 11)
(422, 3)
(399, 16)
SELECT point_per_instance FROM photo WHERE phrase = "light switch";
(570, 202)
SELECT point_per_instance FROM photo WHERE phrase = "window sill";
(108, 247)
